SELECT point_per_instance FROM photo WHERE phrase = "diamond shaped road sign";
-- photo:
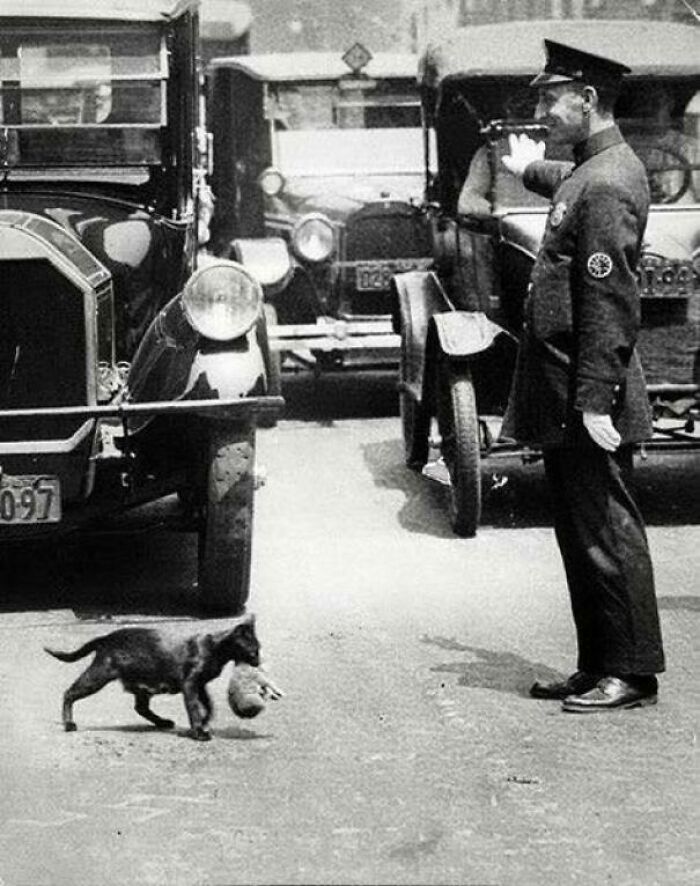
(357, 57)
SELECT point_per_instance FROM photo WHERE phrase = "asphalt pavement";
(406, 749)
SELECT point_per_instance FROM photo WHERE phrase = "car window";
(63, 78)
(385, 105)
(661, 121)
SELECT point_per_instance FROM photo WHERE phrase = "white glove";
(523, 151)
(602, 431)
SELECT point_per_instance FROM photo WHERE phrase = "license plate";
(376, 275)
(30, 499)
(372, 277)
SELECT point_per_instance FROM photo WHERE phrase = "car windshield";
(345, 128)
(659, 119)
(62, 90)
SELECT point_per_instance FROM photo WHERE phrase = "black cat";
(148, 662)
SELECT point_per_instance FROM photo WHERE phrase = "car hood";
(672, 233)
(25, 235)
(340, 196)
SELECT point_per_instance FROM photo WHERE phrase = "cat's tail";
(86, 649)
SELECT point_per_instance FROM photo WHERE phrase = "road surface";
(406, 749)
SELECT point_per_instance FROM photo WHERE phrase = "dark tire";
(415, 419)
(226, 526)
(415, 426)
(274, 381)
(459, 429)
(273, 365)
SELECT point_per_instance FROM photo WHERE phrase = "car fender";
(267, 259)
(173, 362)
(461, 334)
(416, 297)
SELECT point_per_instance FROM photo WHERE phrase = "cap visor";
(545, 79)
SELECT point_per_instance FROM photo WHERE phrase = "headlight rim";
(267, 173)
(249, 317)
(299, 224)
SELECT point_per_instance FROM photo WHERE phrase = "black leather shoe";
(576, 684)
(611, 693)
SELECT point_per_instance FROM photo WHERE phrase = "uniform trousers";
(603, 544)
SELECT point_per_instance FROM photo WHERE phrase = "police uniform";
(577, 353)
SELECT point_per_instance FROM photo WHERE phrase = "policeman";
(578, 390)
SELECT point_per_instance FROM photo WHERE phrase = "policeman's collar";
(606, 138)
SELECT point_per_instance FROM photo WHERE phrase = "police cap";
(566, 64)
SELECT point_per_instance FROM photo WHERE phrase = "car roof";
(517, 49)
(309, 66)
(98, 10)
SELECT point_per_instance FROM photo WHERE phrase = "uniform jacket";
(582, 314)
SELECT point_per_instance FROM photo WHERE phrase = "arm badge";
(557, 216)
(599, 265)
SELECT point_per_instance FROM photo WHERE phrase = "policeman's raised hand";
(523, 151)
(602, 431)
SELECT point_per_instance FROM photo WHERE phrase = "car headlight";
(312, 237)
(271, 181)
(222, 300)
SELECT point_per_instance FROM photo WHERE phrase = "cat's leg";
(96, 676)
(190, 692)
(205, 701)
(142, 707)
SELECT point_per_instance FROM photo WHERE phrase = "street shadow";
(675, 604)
(424, 509)
(128, 569)
(228, 733)
(339, 395)
(513, 495)
(486, 669)
(238, 733)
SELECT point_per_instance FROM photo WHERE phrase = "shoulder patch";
(599, 265)
(558, 213)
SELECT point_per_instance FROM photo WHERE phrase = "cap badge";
(557, 216)
(599, 265)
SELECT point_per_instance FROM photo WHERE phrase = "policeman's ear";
(589, 98)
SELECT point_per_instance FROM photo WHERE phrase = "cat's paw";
(69, 726)
(201, 734)
(165, 724)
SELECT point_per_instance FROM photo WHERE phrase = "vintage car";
(318, 177)
(460, 320)
(127, 371)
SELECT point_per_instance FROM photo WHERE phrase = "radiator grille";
(386, 232)
(42, 348)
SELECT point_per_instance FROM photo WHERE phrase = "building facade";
(302, 25)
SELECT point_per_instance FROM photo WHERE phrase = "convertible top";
(310, 66)
(516, 49)
(99, 10)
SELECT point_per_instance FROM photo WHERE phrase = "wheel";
(459, 428)
(226, 523)
(274, 380)
(669, 172)
(415, 427)
(415, 420)
(273, 364)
